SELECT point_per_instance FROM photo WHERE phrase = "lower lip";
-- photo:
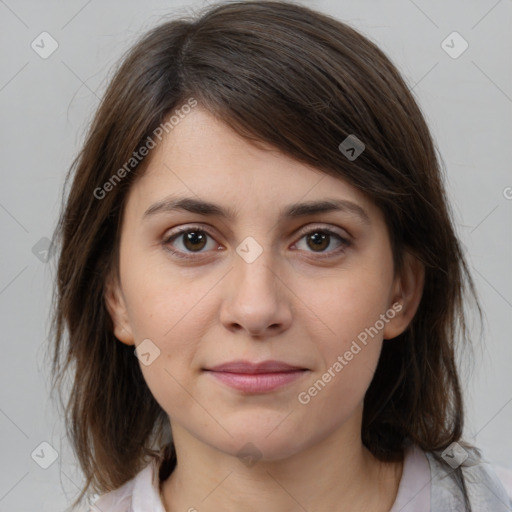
(257, 382)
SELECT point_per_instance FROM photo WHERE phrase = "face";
(313, 289)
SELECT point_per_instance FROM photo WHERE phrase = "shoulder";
(505, 476)
(119, 500)
(139, 494)
(462, 466)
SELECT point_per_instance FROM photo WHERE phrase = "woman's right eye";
(192, 239)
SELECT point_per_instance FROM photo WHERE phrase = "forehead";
(203, 157)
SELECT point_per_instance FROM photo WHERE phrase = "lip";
(241, 366)
(256, 377)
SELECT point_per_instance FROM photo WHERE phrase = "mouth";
(256, 377)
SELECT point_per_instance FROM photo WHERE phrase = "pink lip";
(257, 382)
(256, 377)
(240, 366)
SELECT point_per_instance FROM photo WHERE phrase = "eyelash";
(179, 254)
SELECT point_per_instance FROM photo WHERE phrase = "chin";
(258, 443)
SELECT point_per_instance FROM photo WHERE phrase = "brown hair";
(301, 81)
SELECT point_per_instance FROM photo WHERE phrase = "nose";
(256, 298)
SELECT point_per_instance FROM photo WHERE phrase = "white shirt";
(422, 488)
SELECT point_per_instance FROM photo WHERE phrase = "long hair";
(303, 82)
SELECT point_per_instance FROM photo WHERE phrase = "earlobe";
(408, 290)
(116, 307)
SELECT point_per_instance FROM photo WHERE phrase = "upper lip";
(240, 366)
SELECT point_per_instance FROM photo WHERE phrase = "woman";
(258, 215)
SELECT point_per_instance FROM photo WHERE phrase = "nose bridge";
(257, 300)
(255, 266)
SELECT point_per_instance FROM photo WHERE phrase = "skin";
(289, 304)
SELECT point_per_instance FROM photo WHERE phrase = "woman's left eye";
(194, 240)
(321, 238)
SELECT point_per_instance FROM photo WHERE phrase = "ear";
(116, 306)
(406, 297)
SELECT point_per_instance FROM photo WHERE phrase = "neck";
(338, 473)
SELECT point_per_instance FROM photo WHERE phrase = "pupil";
(193, 237)
(318, 239)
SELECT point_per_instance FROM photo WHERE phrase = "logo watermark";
(455, 455)
(351, 147)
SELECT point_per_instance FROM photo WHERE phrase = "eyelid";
(185, 229)
(343, 233)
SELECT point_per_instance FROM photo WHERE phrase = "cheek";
(169, 310)
(345, 303)
(346, 307)
(173, 320)
(160, 298)
(346, 362)
(169, 324)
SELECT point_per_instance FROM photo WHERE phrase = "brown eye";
(319, 240)
(194, 240)
(188, 241)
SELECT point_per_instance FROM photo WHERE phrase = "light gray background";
(47, 103)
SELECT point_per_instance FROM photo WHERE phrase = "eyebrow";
(295, 210)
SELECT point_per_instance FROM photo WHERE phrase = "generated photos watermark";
(143, 151)
(304, 397)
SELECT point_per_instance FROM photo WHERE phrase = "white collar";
(142, 493)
